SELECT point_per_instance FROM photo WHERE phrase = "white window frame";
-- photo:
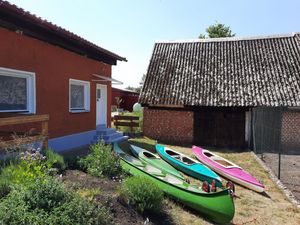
(86, 85)
(30, 86)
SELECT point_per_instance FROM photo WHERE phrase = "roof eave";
(16, 19)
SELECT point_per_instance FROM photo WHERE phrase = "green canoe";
(152, 159)
(216, 206)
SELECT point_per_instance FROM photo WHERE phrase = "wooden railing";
(126, 121)
(19, 120)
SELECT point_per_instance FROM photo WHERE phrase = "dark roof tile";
(253, 71)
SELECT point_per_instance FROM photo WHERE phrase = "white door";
(101, 104)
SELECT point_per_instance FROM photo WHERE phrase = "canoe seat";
(132, 160)
(153, 170)
(173, 180)
(223, 162)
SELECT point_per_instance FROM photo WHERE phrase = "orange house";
(45, 69)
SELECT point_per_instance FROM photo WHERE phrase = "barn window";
(17, 91)
(79, 95)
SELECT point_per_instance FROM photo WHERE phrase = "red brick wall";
(291, 130)
(169, 125)
(53, 67)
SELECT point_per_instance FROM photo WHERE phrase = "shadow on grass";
(148, 146)
(265, 194)
(159, 218)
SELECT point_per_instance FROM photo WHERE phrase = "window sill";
(79, 111)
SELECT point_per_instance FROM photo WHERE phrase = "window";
(79, 95)
(17, 91)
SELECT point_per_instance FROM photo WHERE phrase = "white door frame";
(101, 104)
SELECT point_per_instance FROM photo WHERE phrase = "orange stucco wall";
(53, 67)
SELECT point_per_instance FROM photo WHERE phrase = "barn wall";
(223, 127)
(291, 130)
(170, 126)
(53, 67)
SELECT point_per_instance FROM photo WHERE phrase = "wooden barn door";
(219, 128)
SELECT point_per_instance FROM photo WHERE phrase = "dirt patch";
(105, 192)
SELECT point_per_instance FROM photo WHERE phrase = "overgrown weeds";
(102, 161)
(142, 194)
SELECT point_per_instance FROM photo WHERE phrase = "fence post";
(253, 118)
(45, 133)
(280, 141)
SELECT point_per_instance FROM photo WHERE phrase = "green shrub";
(73, 162)
(46, 194)
(102, 161)
(22, 173)
(4, 188)
(79, 211)
(14, 211)
(47, 202)
(54, 160)
(142, 194)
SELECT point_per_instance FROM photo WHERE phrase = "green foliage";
(54, 160)
(79, 211)
(102, 161)
(142, 193)
(23, 172)
(47, 202)
(45, 194)
(218, 30)
(31, 165)
(73, 162)
(4, 188)
(14, 211)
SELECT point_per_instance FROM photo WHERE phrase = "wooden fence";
(19, 120)
(126, 121)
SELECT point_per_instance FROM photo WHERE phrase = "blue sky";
(131, 27)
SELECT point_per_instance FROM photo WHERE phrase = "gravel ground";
(290, 170)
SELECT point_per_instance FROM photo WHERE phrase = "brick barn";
(204, 91)
(45, 69)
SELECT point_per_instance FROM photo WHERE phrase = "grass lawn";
(251, 207)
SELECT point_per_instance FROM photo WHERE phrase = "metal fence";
(276, 140)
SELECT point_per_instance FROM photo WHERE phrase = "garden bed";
(251, 207)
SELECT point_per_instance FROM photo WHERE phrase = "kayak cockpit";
(149, 155)
(219, 160)
(180, 157)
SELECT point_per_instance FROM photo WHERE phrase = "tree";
(139, 88)
(217, 30)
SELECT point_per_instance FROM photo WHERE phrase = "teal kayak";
(154, 160)
(216, 206)
(188, 165)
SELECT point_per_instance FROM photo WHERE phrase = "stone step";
(105, 131)
(111, 141)
(101, 126)
(118, 139)
(108, 136)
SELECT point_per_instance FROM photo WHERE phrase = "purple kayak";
(227, 169)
